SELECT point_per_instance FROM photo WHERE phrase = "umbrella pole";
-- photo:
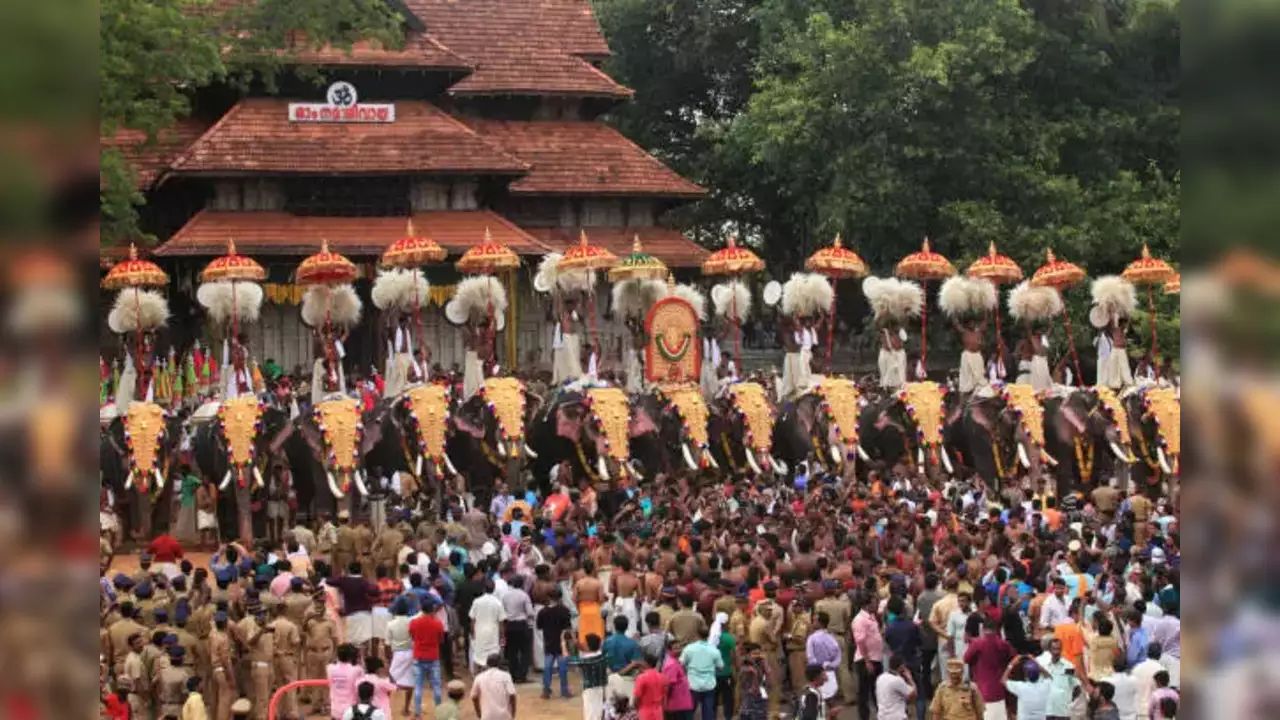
(1071, 345)
(999, 344)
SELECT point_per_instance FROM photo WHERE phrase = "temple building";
(487, 120)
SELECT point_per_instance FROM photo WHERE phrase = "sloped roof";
(668, 245)
(150, 159)
(522, 46)
(257, 136)
(420, 51)
(280, 233)
(582, 158)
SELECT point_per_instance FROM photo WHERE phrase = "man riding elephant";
(893, 302)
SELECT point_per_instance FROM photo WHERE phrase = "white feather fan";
(478, 295)
(1033, 304)
(694, 297)
(400, 289)
(893, 300)
(1115, 295)
(550, 277)
(633, 298)
(223, 298)
(731, 300)
(962, 296)
(136, 309)
(341, 304)
(806, 294)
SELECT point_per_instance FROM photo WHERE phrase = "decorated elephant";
(590, 429)
(740, 431)
(1155, 425)
(325, 451)
(1087, 431)
(137, 451)
(1004, 431)
(822, 427)
(669, 430)
(908, 427)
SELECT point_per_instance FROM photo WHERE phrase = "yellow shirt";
(193, 708)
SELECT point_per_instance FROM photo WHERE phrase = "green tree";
(155, 54)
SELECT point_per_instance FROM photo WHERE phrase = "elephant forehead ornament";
(752, 405)
(341, 427)
(504, 397)
(429, 408)
(1111, 405)
(1021, 398)
(612, 414)
(240, 420)
(672, 354)
(686, 399)
(924, 402)
(143, 433)
(1165, 410)
(841, 401)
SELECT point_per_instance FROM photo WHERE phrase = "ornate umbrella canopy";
(924, 265)
(134, 272)
(836, 261)
(487, 257)
(732, 260)
(233, 266)
(1147, 270)
(1173, 286)
(639, 265)
(413, 250)
(326, 268)
(995, 267)
(585, 256)
(1058, 274)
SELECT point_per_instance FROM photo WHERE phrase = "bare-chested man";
(625, 589)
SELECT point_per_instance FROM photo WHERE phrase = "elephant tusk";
(755, 466)
(835, 455)
(633, 466)
(502, 449)
(333, 485)
(711, 458)
(529, 451)
(1048, 458)
(1119, 452)
(602, 467)
(863, 453)
(920, 459)
(159, 479)
(257, 476)
(688, 456)
(1164, 461)
(1022, 456)
(449, 465)
(779, 467)
(417, 466)
(226, 480)
(946, 461)
(128, 480)
(358, 475)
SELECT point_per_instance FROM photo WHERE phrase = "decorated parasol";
(588, 257)
(836, 262)
(325, 268)
(733, 261)
(233, 269)
(1061, 275)
(924, 265)
(488, 257)
(639, 265)
(408, 253)
(1173, 286)
(999, 269)
(1149, 271)
(134, 273)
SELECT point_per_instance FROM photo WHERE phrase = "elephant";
(908, 427)
(1087, 431)
(669, 430)
(1155, 425)
(589, 429)
(1001, 432)
(740, 431)
(136, 452)
(328, 443)
(822, 428)
(235, 465)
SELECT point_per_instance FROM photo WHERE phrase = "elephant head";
(672, 416)
(1155, 422)
(1079, 424)
(823, 427)
(336, 434)
(589, 429)
(137, 450)
(745, 427)
(925, 406)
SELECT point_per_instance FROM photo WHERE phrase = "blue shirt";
(701, 661)
(620, 651)
(1139, 639)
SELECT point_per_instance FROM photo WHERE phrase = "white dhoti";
(1113, 371)
(397, 374)
(401, 670)
(973, 373)
(1040, 378)
(206, 520)
(635, 371)
(795, 376)
(893, 368)
(472, 374)
(539, 647)
(628, 608)
(566, 365)
(126, 387)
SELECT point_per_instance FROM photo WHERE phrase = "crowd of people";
(697, 594)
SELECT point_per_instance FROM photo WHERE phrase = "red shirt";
(165, 549)
(116, 708)
(650, 693)
(426, 632)
(987, 656)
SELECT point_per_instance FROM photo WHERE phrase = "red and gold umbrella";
(836, 262)
(233, 266)
(326, 268)
(1173, 286)
(134, 273)
(1062, 275)
(488, 257)
(924, 265)
(639, 265)
(1149, 271)
(1000, 270)
(733, 261)
(412, 250)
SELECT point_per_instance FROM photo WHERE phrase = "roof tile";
(257, 136)
(420, 51)
(583, 158)
(150, 159)
(278, 233)
(668, 245)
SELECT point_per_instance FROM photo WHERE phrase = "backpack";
(358, 714)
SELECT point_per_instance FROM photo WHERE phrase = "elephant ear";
(641, 423)
(981, 414)
(1069, 425)
(569, 421)
(372, 434)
